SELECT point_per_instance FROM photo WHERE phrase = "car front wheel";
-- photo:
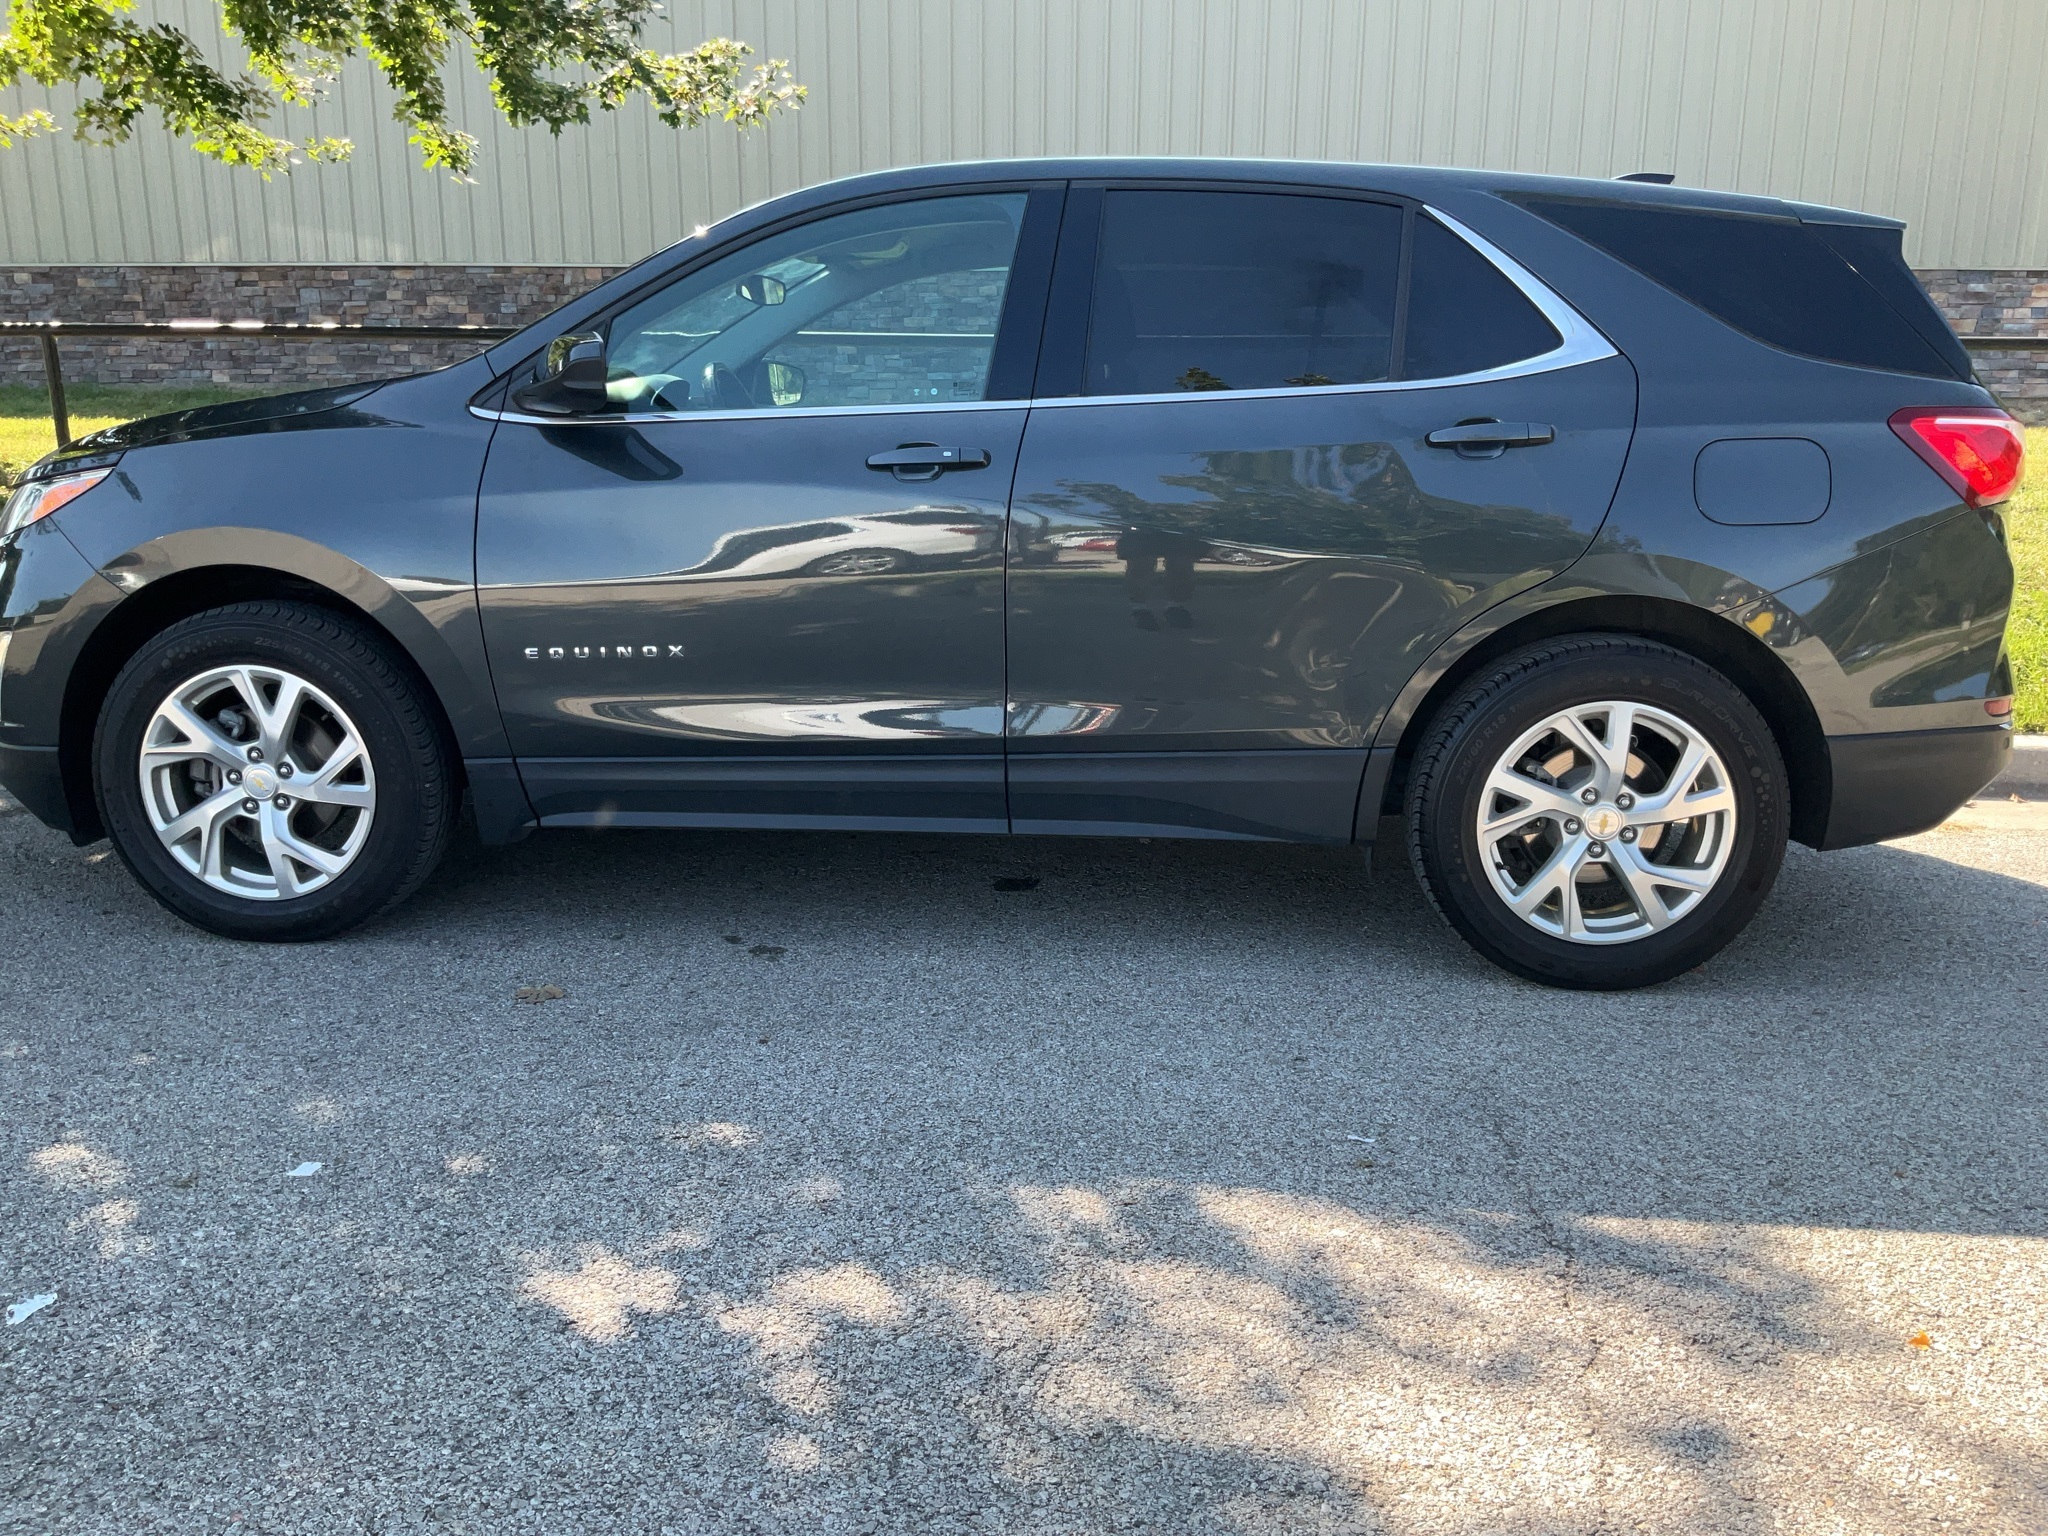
(1598, 812)
(269, 770)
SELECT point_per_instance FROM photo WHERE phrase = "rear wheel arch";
(1727, 647)
(165, 602)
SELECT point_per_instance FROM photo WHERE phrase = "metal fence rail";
(49, 332)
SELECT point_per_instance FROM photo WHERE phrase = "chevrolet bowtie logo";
(615, 652)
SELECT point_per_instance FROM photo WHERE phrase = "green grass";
(2026, 522)
(26, 435)
(25, 430)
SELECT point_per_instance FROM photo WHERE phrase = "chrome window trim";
(1581, 343)
(768, 413)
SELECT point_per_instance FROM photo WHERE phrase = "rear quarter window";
(1771, 278)
(1464, 316)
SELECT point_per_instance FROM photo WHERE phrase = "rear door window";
(1771, 278)
(1200, 291)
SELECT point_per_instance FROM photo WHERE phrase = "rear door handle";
(1497, 435)
(925, 461)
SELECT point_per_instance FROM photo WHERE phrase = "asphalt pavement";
(870, 1183)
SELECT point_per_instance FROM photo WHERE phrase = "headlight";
(36, 499)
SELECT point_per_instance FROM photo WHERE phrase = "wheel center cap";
(259, 781)
(1604, 822)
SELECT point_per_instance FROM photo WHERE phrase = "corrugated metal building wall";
(1930, 110)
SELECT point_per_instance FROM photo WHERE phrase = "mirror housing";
(759, 289)
(572, 381)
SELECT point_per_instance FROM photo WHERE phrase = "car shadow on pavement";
(864, 1183)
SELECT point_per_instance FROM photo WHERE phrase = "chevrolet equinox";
(1605, 534)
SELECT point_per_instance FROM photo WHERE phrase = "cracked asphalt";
(868, 1183)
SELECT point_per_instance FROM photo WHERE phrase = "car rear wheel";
(271, 771)
(1598, 812)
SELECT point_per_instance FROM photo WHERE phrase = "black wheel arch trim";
(1546, 612)
(187, 572)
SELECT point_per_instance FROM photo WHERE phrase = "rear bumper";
(30, 774)
(1901, 782)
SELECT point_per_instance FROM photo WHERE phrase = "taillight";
(1979, 451)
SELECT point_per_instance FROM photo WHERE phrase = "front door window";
(890, 306)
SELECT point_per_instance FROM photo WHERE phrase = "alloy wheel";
(257, 782)
(1606, 822)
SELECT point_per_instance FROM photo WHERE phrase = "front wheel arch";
(1722, 644)
(356, 830)
(151, 611)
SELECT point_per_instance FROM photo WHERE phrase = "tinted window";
(926, 339)
(1463, 314)
(1879, 257)
(896, 305)
(1241, 290)
(1769, 277)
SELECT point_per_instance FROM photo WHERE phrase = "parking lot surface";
(864, 1183)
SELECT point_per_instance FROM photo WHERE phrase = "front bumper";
(50, 601)
(1900, 782)
(31, 775)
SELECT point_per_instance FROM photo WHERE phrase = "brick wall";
(2009, 303)
(2001, 304)
(963, 306)
(353, 295)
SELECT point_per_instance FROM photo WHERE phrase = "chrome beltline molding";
(769, 414)
(1581, 343)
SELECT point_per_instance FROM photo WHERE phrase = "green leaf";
(547, 62)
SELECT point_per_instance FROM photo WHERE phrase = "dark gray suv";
(1606, 534)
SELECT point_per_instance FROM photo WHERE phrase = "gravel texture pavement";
(908, 1185)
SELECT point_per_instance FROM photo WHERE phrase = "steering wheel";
(727, 392)
(666, 392)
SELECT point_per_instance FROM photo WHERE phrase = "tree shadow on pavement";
(1194, 1187)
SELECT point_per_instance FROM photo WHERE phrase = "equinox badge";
(585, 652)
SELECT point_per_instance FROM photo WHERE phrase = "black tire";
(1473, 731)
(416, 799)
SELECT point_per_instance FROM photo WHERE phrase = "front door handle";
(1489, 439)
(926, 461)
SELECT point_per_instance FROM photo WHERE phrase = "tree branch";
(548, 62)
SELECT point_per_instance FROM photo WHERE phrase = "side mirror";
(759, 288)
(785, 384)
(572, 381)
(763, 384)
